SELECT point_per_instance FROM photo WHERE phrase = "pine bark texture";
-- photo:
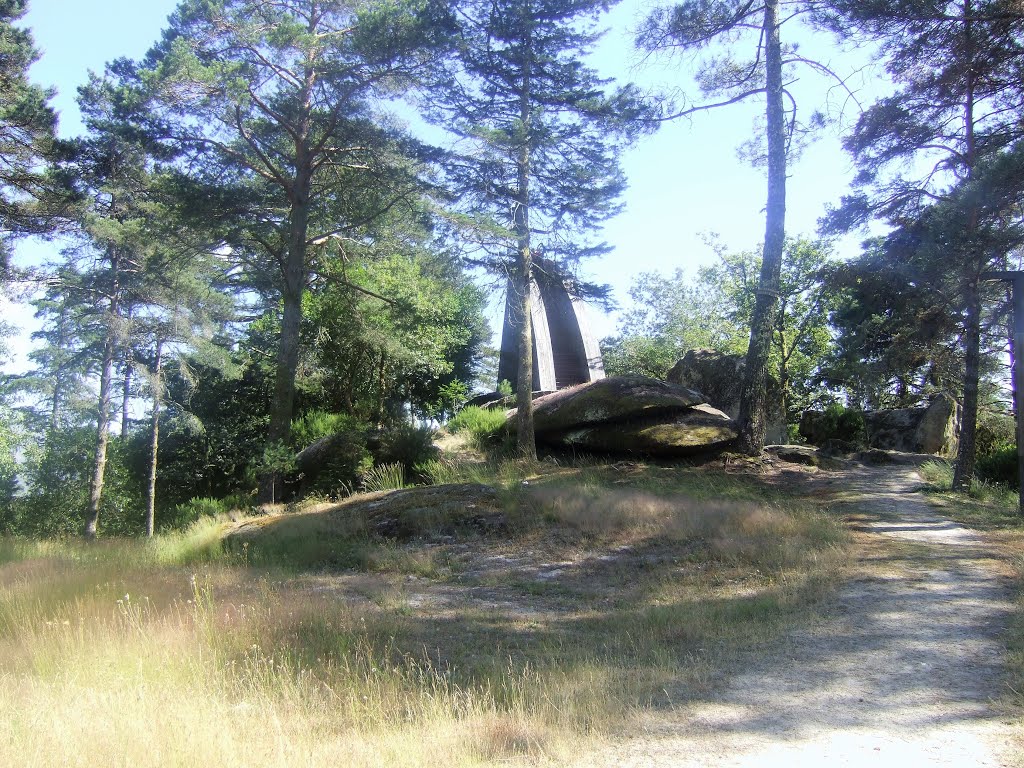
(154, 440)
(752, 419)
(92, 514)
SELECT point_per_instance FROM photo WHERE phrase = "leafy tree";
(538, 169)
(956, 115)
(273, 113)
(671, 316)
(801, 337)
(372, 357)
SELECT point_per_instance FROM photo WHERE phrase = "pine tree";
(727, 79)
(537, 168)
(273, 110)
(27, 122)
(958, 112)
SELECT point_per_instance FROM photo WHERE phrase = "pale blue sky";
(684, 181)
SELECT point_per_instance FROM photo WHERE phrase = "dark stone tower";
(565, 351)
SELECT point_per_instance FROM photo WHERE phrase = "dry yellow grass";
(115, 655)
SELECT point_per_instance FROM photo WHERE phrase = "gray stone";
(610, 400)
(565, 350)
(696, 429)
(719, 376)
(933, 429)
(938, 431)
(795, 454)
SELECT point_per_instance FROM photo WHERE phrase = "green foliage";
(407, 445)
(482, 424)
(844, 424)
(183, 516)
(938, 474)
(670, 315)
(338, 460)
(383, 477)
(27, 123)
(316, 424)
(419, 349)
(58, 479)
(999, 466)
(996, 430)
(504, 388)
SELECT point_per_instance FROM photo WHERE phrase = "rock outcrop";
(698, 429)
(719, 376)
(932, 429)
(631, 414)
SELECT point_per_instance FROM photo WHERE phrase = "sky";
(685, 181)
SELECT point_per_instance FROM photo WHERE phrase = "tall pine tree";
(274, 113)
(537, 169)
(954, 120)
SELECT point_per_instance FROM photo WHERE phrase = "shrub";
(999, 466)
(482, 424)
(332, 468)
(407, 445)
(938, 474)
(839, 423)
(314, 425)
(183, 516)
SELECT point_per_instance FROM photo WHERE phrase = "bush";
(185, 515)
(999, 466)
(482, 424)
(997, 431)
(314, 425)
(407, 445)
(384, 477)
(839, 423)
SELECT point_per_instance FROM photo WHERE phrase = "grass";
(183, 652)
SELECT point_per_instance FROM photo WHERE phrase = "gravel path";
(901, 672)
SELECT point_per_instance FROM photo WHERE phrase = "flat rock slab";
(609, 400)
(697, 429)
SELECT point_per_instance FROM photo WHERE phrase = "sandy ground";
(904, 670)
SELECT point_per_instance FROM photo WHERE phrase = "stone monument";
(565, 350)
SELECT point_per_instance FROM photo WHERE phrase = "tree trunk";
(294, 286)
(526, 442)
(92, 514)
(963, 472)
(965, 452)
(126, 391)
(154, 440)
(753, 400)
(126, 396)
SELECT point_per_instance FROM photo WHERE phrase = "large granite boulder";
(630, 414)
(719, 376)
(931, 429)
(934, 428)
(697, 429)
(608, 400)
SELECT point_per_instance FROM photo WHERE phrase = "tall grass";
(180, 652)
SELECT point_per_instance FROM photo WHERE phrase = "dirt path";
(903, 671)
